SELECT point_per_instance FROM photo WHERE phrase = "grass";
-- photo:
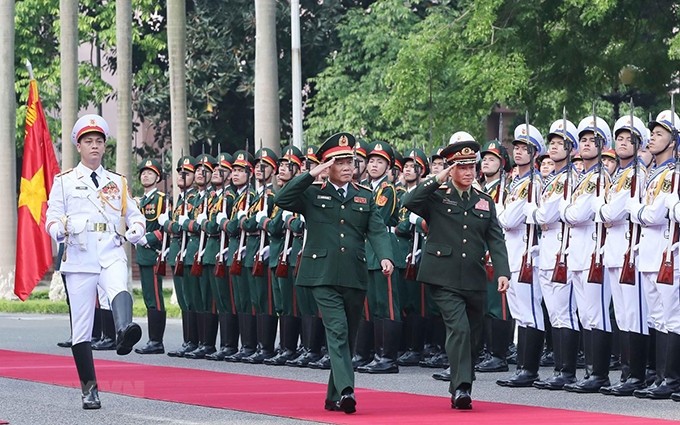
(39, 303)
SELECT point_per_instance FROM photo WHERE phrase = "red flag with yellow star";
(34, 247)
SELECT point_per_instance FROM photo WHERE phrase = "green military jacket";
(233, 225)
(250, 225)
(458, 237)
(387, 202)
(151, 205)
(196, 207)
(173, 228)
(274, 226)
(337, 230)
(404, 231)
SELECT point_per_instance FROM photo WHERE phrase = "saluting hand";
(443, 175)
(387, 267)
(503, 284)
(321, 168)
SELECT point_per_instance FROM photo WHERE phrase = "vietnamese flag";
(34, 246)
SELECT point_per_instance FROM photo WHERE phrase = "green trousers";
(152, 288)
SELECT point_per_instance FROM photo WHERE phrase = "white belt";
(99, 227)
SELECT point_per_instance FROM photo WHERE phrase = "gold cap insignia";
(343, 141)
(240, 156)
(378, 147)
(186, 161)
(148, 164)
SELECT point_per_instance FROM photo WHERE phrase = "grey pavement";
(24, 402)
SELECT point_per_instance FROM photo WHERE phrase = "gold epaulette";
(65, 172)
(361, 186)
(384, 184)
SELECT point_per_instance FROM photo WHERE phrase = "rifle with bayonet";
(220, 268)
(596, 271)
(258, 264)
(499, 198)
(665, 275)
(526, 271)
(197, 266)
(179, 262)
(628, 272)
(559, 274)
(160, 266)
(236, 264)
(411, 266)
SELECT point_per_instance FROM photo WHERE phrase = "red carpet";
(281, 397)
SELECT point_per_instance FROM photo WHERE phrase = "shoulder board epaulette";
(65, 172)
(482, 194)
(318, 183)
(161, 193)
(443, 186)
(384, 184)
(360, 186)
(113, 172)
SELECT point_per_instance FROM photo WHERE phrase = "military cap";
(242, 159)
(461, 152)
(436, 153)
(557, 129)
(311, 154)
(637, 127)
(151, 164)
(666, 119)
(291, 154)
(224, 160)
(186, 163)
(206, 160)
(599, 126)
(382, 150)
(577, 157)
(494, 147)
(398, 161)
(419, 157)
(90, 123)
(340, 145)
(267, 156)
(533, 138)
(461, 136)
(540, 158)
(361, 147)
(610, 153)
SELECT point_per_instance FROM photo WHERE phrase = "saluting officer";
(462, 223)
(88, 210)
(152, 206)
(340, 216)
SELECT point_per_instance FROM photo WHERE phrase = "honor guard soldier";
(152, 206)
(620, 249)
(498, 324)
(88, 211)
(463, 224)
(524, 296)
(410, 233)
(240, 179)
(215, 251)
(592, 291)
(383, 298)
(169, 221)
(340, 216)
(360, 160)
(655, 241)
(310, 159)
(437, 162)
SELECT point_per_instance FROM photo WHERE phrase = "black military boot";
(660, 350)
(623, 340)
(156, 328)
(82, 354)
(500, 339)
(363, 348)
(569, 341)
(637, 360)
(387, 363)
(128, 332)
(208, 323)
(557, 358)
(600, 353)
(108, 329)
(189, 334)
(378, 341)
(313, 331)
(671, 382)
(444, 375)
(414, 334)
(531, 357)
(439, 359)
(228, 337)
(247, 327)
(290, 331)
(519, 356)
(267, 326)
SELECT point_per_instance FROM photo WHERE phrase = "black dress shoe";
(240, 355)
(324, 363)
(281, 358)
(444, 375)
(104, 344)
(523, 379)
(65, 344)
(438, 361)
(665, 390)
(624, 389)
(151, 347)
(200, 353)
(590, 385)
(381, 365)
(675, 396)
(187, 347)
(304, 359)
(461, 400)
(348, 403)
(547, 359)
(358, 361)
(127, 338)
(332, 406)
(492, 364)
(90, 398)
(409, 358)
(259, 356)
(220, 354)
(556, 382)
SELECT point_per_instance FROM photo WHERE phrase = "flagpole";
(296, 69)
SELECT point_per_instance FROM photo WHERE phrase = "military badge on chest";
(110, 194)
(150, 210)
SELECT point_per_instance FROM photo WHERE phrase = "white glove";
(134, 234)
(302, 218)
(240, 214)
(413, 218)
(220, 217)
(528, 210)
(633, 206)
(142, 241)
(202, 217)
(260, 215)
(286, 215)
(182, 219)
(163, 218)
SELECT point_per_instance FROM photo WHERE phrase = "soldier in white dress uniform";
(88, 210)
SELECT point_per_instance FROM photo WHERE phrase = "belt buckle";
(100, 227)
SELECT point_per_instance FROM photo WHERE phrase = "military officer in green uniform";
(463, 224)
(340, 215)
(152, 204)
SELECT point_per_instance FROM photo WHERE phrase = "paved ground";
(31, 403)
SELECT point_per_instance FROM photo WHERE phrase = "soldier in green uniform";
(437, 162)
(340, 216)
(360, 160)
(151, 205)
(169, 221)
(463, 224)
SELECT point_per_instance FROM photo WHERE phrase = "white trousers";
(630, 306)
(559, 301)
(592, 301)
(655, 310)
(82, 293)
(670, 302)
(524, 302)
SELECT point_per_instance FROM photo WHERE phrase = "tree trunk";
(8, 184)
(68, 12)
(267, 130)
(178, 95)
